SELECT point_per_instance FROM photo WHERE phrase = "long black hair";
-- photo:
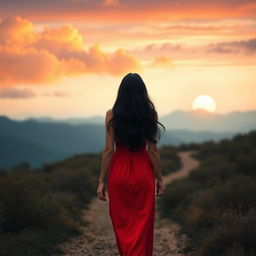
(135, 119)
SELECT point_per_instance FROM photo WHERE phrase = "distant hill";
(200, 120)
(56, 136)
(196, 120)
(48, 140)
(15, 150)
(88, 120)
(39, 142)
(176, 137)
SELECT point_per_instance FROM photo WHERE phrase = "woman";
(133, 171)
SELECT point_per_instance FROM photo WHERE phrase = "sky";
(66, 58)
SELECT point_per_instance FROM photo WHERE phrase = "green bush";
(75, 181)
(170, 161)
(31, 242)
(206, 206)
(245, 163)
(214, 169)
(233, 230)
(25, 206)
(216, 203)
(41, 208)
(175, 193)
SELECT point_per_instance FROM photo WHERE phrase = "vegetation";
(42, 207)
(170, 161)
(216, 203)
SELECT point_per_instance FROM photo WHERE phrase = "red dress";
(131, 192)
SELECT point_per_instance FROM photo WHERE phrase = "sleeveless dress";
(131, 192)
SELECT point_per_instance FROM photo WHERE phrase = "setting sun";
(204, 102)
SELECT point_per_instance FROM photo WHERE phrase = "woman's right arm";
(155, 160)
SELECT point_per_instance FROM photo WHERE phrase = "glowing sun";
(204, 102)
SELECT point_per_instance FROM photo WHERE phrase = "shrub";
(233, 230)
(25, 206)
(176, 193)
(213, 170)
(216, 203)
(170, 161)
(207, 205)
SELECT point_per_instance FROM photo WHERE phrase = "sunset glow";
(67, 58)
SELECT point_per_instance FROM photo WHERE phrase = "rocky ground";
(98, 237)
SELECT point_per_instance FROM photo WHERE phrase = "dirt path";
(98, 238)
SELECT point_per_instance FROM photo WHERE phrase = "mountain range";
(42, 140)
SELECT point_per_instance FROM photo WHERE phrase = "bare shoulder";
(109, 114)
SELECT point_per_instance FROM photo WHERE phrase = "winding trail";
(98, 238)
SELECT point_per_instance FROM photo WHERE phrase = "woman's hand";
(101, 191)
(160, 187)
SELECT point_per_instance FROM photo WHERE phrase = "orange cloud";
(43, 57)
(16, 93)
(56, 40)
(17, 32)
(59, 94)
(161, 61)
